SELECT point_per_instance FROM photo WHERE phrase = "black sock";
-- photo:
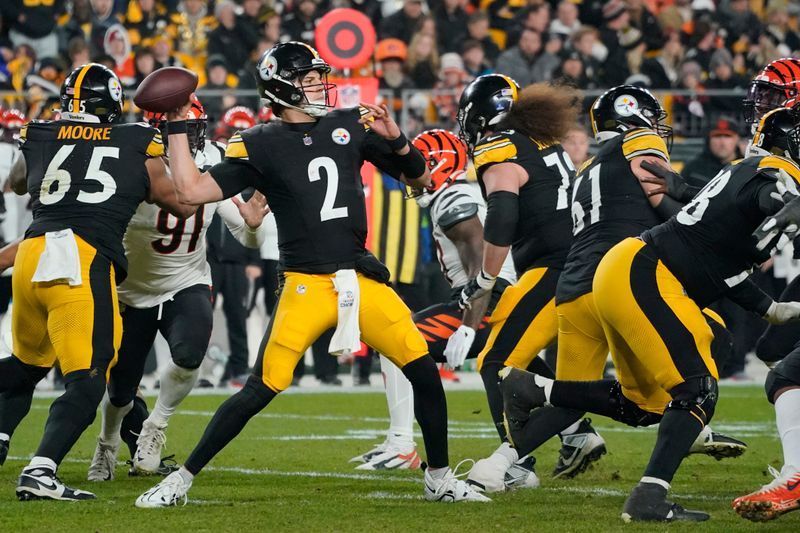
(544, 424)
(229, 420)
(539, 366)
(132, 424)
(491, 381)
(71, 413)
(14, 406)
(592, 396)
(430, 408)
(676, 433)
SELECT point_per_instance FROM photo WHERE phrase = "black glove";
(475, 288)
(785, 221)
(677, 187)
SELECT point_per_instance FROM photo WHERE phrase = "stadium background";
(696, 55)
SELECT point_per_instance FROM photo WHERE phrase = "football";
(165, 89)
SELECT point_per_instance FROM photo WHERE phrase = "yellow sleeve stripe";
(774, 161)
(236, 148)
(495, 154)
(487, 145)
(23, 134)
(156, 146)
(713, 315)
(644, 143)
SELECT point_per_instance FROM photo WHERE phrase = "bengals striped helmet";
(196, 124)
(775, 86)
(446, 155)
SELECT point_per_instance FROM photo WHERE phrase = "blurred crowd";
(698, 46)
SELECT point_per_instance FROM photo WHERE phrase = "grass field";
(288, 470)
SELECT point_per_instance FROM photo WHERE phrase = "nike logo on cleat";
(51, 486)
(792, 486)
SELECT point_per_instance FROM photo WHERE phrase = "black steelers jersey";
(88, 177)
(311, 176)
(543, 233)
(709, 244)
(608, 205)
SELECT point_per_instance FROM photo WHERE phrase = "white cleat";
(151, 441)
(365, 457)
(489, 475)
(522, 475)
(451, 489)
(103, 462)
(171, 491)
(396, 456)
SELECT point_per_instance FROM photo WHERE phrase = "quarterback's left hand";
(458, 346)
(380, 121)
(784, 221)
(254, 210)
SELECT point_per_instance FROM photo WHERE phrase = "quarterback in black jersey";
(308, 165)
(86, 175)
(649, 294)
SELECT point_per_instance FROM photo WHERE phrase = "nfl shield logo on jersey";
(340, 136)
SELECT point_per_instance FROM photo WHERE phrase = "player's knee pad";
(785, 374)
(698, 396)
(16, 375)
(627, 411)
(256, 394)
(81, 397)
(187, 356)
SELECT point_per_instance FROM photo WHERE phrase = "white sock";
(5, 437)
(655, 480)
(112, 420)
(42, 462)
(437, 473)
(400, 399)
(787, 416)
(546, 383)
(185, 474)
(176, 383)
(508, 452)
(572, 429)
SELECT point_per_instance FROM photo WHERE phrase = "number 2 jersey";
(608, 205)
(709, 245)
(543, 233)
(311, 176)
(88, 177)
(167, 254)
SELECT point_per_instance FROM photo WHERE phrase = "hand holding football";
(165, 89)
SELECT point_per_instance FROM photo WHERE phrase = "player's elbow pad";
(502, 214)
(411, 165)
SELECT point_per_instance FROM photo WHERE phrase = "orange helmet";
(446, 155)
(235, 119)
(11, 122)
(196, 124)
(777, 85)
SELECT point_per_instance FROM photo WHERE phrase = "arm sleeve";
(250, 237)
(749, 296)
(233, 176)
(376, 151)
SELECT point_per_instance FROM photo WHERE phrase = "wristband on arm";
(176, 127)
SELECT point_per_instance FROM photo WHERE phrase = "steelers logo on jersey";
(340, 136)
(115, 89)
(626, 105)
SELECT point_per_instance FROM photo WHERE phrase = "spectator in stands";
(391, 54)
(632, 41)
(528, 62)
(721, 147)
(247, 82)
(451, 24)
(253, 13)
(271, 27)
(219, 79)
(662, 70)
(535, 17)
(576, 144)
(20, 65)
(672, 18)
(723, 77)
(232, 39)
(79, 17)
(103, 18)
(452, 81)
(571, 71)
(703, 45)
(162, 51)
(33, 24)
(688, 111)
(300, 23)
(144, 63)
(643, 20)
(566, 22)
(615, 21)
(585, 42)
(739, 21)
(423, 61)
(143, 19)
(478, 29)
(403, 23)
(190, 28)
(117, 45)
(779, 30)
(475, 59)
(78, 52)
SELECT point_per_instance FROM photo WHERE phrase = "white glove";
(458, 346)
(782, 312)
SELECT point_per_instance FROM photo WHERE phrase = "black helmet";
(625, 107)
(778, 133)
(484, 103)
(92, 89)
(281, 67)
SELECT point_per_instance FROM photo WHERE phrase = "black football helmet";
(279, 75)
(484, 103)
(778, 133)
(92, 89)
(626, 107)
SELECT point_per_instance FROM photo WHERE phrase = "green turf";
(307, 485)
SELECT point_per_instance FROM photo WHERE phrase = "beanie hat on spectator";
(721, 56)
(222, 4)
(451, 61)
(391, 49)
(724, 126)
(215, 61)
(613, 9)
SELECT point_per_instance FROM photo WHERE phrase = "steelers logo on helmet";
(626, 105)
(340, 136)
(115, 89)
(268, 68)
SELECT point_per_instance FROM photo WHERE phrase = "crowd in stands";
(438, 45)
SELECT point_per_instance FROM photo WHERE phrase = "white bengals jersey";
(167, 254)
(454, 204)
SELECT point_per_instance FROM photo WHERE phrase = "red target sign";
(345, 38)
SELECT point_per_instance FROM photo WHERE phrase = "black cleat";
(41, 483)
(3, 451)
(648, 503)
(168, 465)
(521, 395)
(579, 450)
